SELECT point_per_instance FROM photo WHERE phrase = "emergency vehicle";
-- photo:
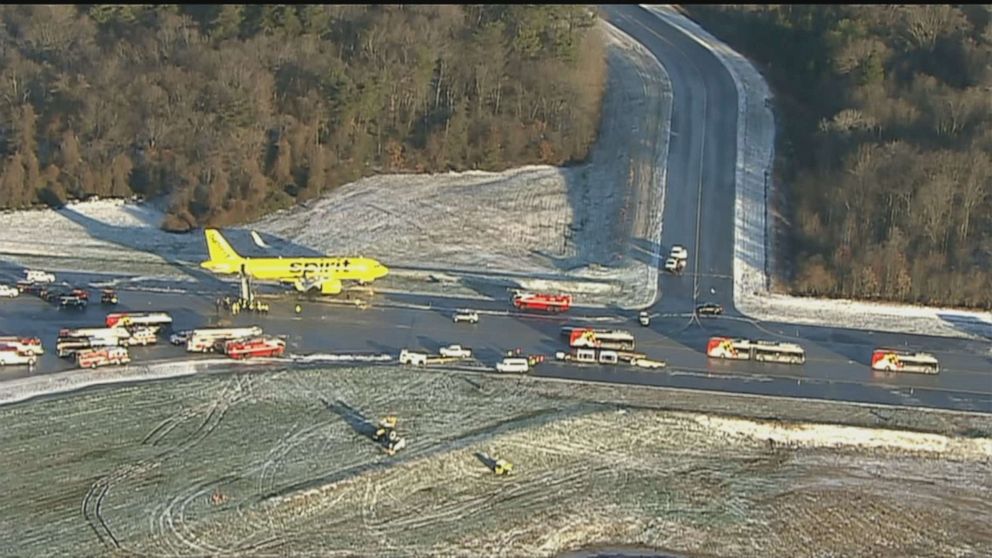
(91, 358)
(542, 301)
(205, 340)
(248, 347)
(125, 319)
(30, 345)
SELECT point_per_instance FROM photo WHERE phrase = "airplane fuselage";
(292, 269)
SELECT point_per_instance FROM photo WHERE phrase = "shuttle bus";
(759, 351)
(894, 360)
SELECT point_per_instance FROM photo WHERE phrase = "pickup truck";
(456, 351)
(8, 291)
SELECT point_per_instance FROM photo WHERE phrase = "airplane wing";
(258, 240)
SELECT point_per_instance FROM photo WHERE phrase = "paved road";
(698, 214)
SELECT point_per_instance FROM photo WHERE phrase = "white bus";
(894, 360)
(759, 351)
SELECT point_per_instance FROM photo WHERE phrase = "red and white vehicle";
(125, 319)
(894, 360)
(31, 345)
(760, 351)
(13, 355)
(265, 346)
(616, 339)
(115, 332)
(542, 301)
(140, 336)
(91, 358)
(204, 340)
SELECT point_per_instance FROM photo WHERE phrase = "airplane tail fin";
(218, 247)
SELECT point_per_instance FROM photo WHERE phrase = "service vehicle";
(709, 309)
(180, 337)
(72, 301)
(81, 293)
(12, 355)
(644, 318)
(553, 303)
(679, 252)
(759, 351)
(204, 340)
(616, 339)
(25, 344)
(8, 291)
(37, 276)
(469, 316)
(261, 346)
(91, 358)
(108, 296)
(420, 358)
(675, 266)
(517, 365)
(589, 356)
(69, 346)
(140, 336)
(895, 360)
(51, 294)
(125, 319)
(456, 351)
(25, 286)
(647, 363)
(386, 434)
(118, 332)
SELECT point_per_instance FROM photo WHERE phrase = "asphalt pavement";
(699, 206)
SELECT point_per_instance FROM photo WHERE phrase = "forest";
(884, 150)
(229, 112)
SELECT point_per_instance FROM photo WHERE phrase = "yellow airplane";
(305, 274)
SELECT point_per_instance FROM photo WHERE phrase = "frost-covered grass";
(133, 469)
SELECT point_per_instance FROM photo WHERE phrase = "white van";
(414, 358)
(513, 364)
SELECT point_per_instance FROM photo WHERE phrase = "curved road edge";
(753, 259)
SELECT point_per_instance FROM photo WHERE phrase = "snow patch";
(330, 357)
(828, 435)
(22, 389)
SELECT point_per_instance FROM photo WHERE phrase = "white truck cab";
(513, 364)
(8, 291)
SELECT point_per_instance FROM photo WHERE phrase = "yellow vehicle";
(325, 274)
(386, 435)
(502, 467)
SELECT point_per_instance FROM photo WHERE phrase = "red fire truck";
(264, 346)
(127, 319)
(91, 358)
(541, 301)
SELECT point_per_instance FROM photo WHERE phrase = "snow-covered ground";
(599, 222)
(591, 230)
(282, 463)
(756, 144)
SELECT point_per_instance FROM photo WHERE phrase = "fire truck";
(116, 332)
(13, 355)
(264, 346)
(760, 351)
(894, 360)
(205, 340)
(31, 345)
(125, 319)
(541, 301)
(91, 358)
(601, 339)
(69, 346)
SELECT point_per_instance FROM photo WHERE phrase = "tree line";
(885, 151)
(230, 112)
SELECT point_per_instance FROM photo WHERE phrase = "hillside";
(885, 149)
(234, 111)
